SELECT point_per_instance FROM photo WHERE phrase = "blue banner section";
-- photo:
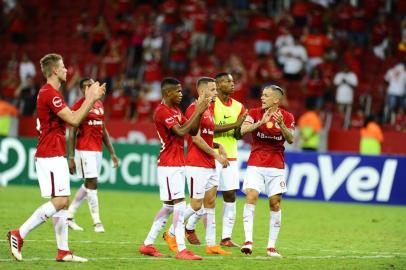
(346, 178)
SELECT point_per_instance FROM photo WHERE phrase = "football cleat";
(272, 252)
(227, 242)
(192, 237)
(98, 227)
(67, 256)
(217, 250)
(246, 247)
(171, 241)
(73, 225)
(16, 243)
(150, 250)
(187, 255)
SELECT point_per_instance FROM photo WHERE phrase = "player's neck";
(168, 104)
(273, 108)
(54, 82)
(224, 97)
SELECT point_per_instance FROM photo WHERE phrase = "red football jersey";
(195, 156)
(51, 128)
(267, 141)
(172, 146)
(90, 132)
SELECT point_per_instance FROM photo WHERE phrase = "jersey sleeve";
(190, 110)
(55, 101)
(166, 118)
(250, 117)
(289, 121)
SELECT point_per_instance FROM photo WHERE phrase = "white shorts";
(200, 180)
(53, 176)
(229, 178)
(269, 181)
(88, 163)
(171, 183)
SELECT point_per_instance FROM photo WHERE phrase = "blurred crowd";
(344, 60)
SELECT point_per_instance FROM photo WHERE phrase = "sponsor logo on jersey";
(95, 122)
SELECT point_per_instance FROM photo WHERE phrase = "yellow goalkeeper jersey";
(227, 113)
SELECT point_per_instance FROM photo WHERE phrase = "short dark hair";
(168, 82)
(83, 83)
(221, 74)
(204, 80)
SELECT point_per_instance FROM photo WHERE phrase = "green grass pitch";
(314, 235)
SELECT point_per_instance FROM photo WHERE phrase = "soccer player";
(271, 126)
(172, 126)
(51, 166)
(87, 158)
(229, 115)
(201, 175)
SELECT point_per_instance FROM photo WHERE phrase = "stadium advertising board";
(312, 176)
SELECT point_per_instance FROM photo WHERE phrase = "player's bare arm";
(72, 145)
(287, 133)
(95, 92)
(192, 125)
(236, 125)
(110, 148)
(200, 142)
(250, 127)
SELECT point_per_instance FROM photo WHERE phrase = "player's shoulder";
(285, 113)
(256, 110)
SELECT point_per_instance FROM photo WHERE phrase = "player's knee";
(229, 196)
(196, 204)
(275, 205)
(251, 196)
(91, 183)
(60, 202)
(210, 203)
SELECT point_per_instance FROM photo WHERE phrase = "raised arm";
(74, 118)
(192, 125)
(236, 125)
(250, 127)
(287, 133)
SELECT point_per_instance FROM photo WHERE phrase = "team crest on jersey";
(57, 101)
(169, 120)
(269, 124)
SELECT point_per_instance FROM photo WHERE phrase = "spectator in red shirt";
(316, 44)
(178, 51)
(262, 26)
(117, 104)
(143, 107)
(262, 72)
(199, 31)
(99, 36)
(315, 87)
(299, 10)
(357, 119)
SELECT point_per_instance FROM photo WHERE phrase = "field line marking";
(216, 258)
